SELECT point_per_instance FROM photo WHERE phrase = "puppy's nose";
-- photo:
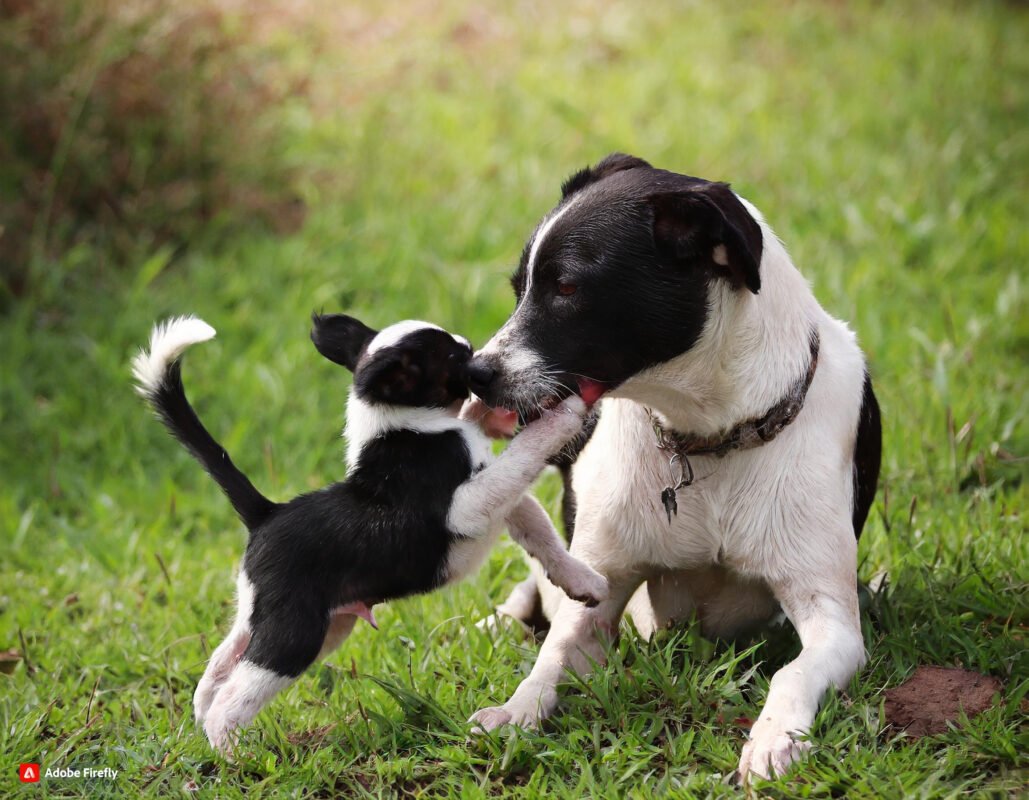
(479, 376)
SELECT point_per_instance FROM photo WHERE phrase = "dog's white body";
(758, 530)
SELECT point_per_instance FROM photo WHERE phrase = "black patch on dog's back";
(867, 456)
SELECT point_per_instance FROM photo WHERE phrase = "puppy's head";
(410, 363)
(617, 278)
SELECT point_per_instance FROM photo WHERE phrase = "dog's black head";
(616, 279)
(410, 363)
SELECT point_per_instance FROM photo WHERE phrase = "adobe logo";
(28, 773)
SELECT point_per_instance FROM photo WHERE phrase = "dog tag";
(671, 506)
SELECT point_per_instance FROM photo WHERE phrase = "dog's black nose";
(479, 376)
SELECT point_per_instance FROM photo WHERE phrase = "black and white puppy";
(422, 504)
(737, 450)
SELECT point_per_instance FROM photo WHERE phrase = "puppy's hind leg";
(223, 661)
(282, 646)
(228, 653)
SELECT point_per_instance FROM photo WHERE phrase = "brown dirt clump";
(934, 696)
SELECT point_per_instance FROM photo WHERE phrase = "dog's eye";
(565, 289)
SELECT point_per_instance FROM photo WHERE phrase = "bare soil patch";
(934, 696)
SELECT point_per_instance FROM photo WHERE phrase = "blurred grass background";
(250, 162)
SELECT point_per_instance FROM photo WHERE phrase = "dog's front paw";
(581, 582)
(489, 719)
(770, 754)
(530, 705)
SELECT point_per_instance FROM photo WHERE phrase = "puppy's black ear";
(616, 162)
(710, 223)
(340, 338)
(393, 377)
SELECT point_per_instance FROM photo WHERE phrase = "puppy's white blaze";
(394, 333)
(168, 340)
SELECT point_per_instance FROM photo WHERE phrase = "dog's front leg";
(825, 614)
(575, 643)
(530, 526)
(488, 497)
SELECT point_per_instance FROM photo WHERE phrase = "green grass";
(886, 144)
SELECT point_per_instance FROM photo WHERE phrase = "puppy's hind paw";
(221, 734)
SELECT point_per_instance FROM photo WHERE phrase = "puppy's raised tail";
(158, 374)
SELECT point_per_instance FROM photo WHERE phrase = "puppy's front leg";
(488, 497)
(572, 644)
(825, 613)
(530, 526)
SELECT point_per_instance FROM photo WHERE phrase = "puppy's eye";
(564, 288)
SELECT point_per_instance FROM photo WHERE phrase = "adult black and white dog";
(422, 504)
(737, 450)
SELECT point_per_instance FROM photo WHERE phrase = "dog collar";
(747, 435)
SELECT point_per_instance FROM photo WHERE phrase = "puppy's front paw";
(573, 404)
(770, 754)
(581, 583)
(565, 419)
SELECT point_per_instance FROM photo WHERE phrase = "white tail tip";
(168, 340)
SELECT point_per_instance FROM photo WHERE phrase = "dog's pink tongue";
(359, 609)
(500, 423)
(591, 391)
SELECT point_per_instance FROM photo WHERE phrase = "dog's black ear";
(340, 338)
(616, 162)
(710, 223)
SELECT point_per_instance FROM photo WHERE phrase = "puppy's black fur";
(380, 534)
